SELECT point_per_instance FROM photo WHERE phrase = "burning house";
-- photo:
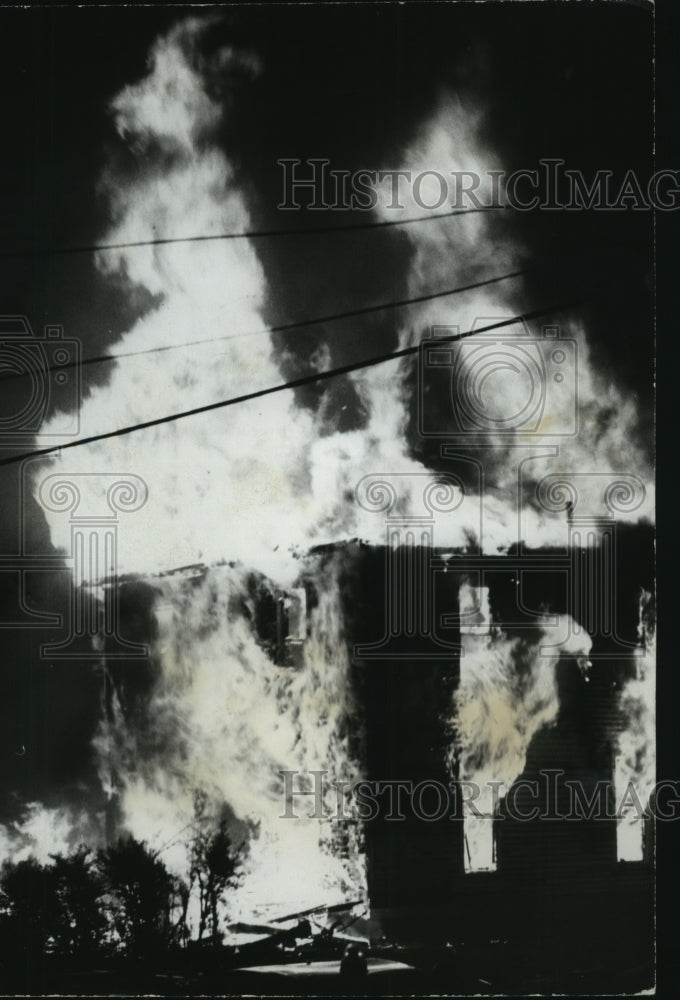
(481, 691)
(406, 655)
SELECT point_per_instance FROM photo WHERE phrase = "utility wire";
(286, 327)
(280, 328)
(253, 234)
(291, 384)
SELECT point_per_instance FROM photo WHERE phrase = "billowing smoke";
(256, 484)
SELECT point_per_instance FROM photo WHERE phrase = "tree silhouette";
(141, 897)
(30, 912)
(214, 863)
(78, 889)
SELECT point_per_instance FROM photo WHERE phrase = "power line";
(293, 325)
(280, 328)
(291, 384)
(253, 234)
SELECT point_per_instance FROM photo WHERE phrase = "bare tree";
(214, 864)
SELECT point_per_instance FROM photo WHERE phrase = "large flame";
(451, 253)
(223, 721)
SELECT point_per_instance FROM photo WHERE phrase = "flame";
(262, 481)
(468, 249)
(258, 482)
(43, 832)
(248, 484)
(635, 761)
(223, 720)
(506, 694)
